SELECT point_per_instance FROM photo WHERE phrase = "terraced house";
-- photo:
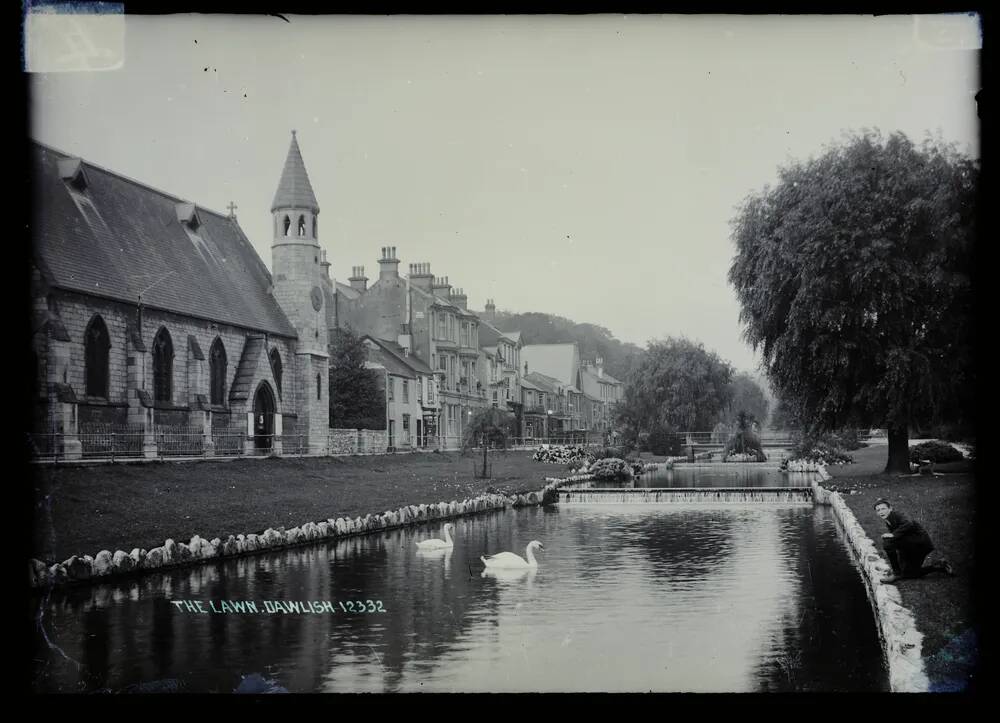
(426, 317)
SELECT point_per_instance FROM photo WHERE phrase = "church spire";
(294, 189)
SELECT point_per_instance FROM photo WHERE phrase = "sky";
(585, 166)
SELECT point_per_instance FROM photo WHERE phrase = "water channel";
(626, 598)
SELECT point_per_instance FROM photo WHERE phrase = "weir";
(688, 495)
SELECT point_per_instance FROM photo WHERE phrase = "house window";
(392, 389)
(163, 366)
(406, 391)
(97, 342)
(217, 371)
(275, 357)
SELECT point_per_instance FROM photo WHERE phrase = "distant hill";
(593, 340)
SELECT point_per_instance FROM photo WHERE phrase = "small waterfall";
(689, 495)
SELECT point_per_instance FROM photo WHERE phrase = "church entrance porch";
(263, 419)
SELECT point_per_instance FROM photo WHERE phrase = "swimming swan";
(437, 544)
(510, 560)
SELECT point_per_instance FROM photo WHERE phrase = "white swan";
(437, 544)
(510, 560)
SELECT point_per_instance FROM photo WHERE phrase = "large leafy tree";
(853, 274)
(356, 402)
(677, 385)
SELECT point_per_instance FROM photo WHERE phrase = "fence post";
(160, 447)
(112, 448)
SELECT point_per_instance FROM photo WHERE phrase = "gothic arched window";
(302, 226)
(287, 224)
(276, 367)
(163, 366)
(96, 343)
(319, 386)
(217, 372)
(314, 227)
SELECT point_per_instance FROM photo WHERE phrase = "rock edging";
(106, 565)
(901, 641)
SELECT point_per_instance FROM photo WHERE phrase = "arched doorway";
(263, 417)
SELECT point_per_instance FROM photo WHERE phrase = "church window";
(302, 226)
(163, 366)
(319, 387)
(275, 357)
(217, 370)
(97, 342)
(314, 227)
(287, 223)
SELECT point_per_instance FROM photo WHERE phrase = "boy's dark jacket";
(904, 529)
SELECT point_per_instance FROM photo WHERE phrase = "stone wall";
(76, 312)
(901, 641)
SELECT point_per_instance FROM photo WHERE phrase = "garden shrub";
(821, 451)
(936, 451)
(744, 446)
(611, 469)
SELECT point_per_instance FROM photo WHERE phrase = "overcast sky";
(584, 166)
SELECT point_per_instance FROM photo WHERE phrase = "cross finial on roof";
(232, 209)
(293, 132)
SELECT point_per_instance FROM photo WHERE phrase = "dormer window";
(187, 214)
(71, 171)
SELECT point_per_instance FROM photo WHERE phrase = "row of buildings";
(154, 319)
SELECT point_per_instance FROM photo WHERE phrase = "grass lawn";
(945, 506)
(85, 509)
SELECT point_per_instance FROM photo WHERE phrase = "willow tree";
(677, 385)
(854, 278)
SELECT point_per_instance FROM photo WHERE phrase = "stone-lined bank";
(105, 565)
(901, 641)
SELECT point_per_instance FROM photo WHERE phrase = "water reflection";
(629, 598)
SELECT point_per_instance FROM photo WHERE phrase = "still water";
(734, 475)
(626, 598)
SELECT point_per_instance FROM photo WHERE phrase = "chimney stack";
(491, 311)
(441, 287)
(324, 264)
(421, 276)
(358, 280)
(388, 264)
(459, 299)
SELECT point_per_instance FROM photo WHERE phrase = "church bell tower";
(296, 259)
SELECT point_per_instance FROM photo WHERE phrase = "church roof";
(294, 189)
(117, 238)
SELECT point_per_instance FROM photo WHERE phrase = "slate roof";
(395, 360)
(118, 238)
(252, 350)
(543, 382)
(489, 334)
(348, 291)
(294, 189)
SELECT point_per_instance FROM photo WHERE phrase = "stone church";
(157, 325)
